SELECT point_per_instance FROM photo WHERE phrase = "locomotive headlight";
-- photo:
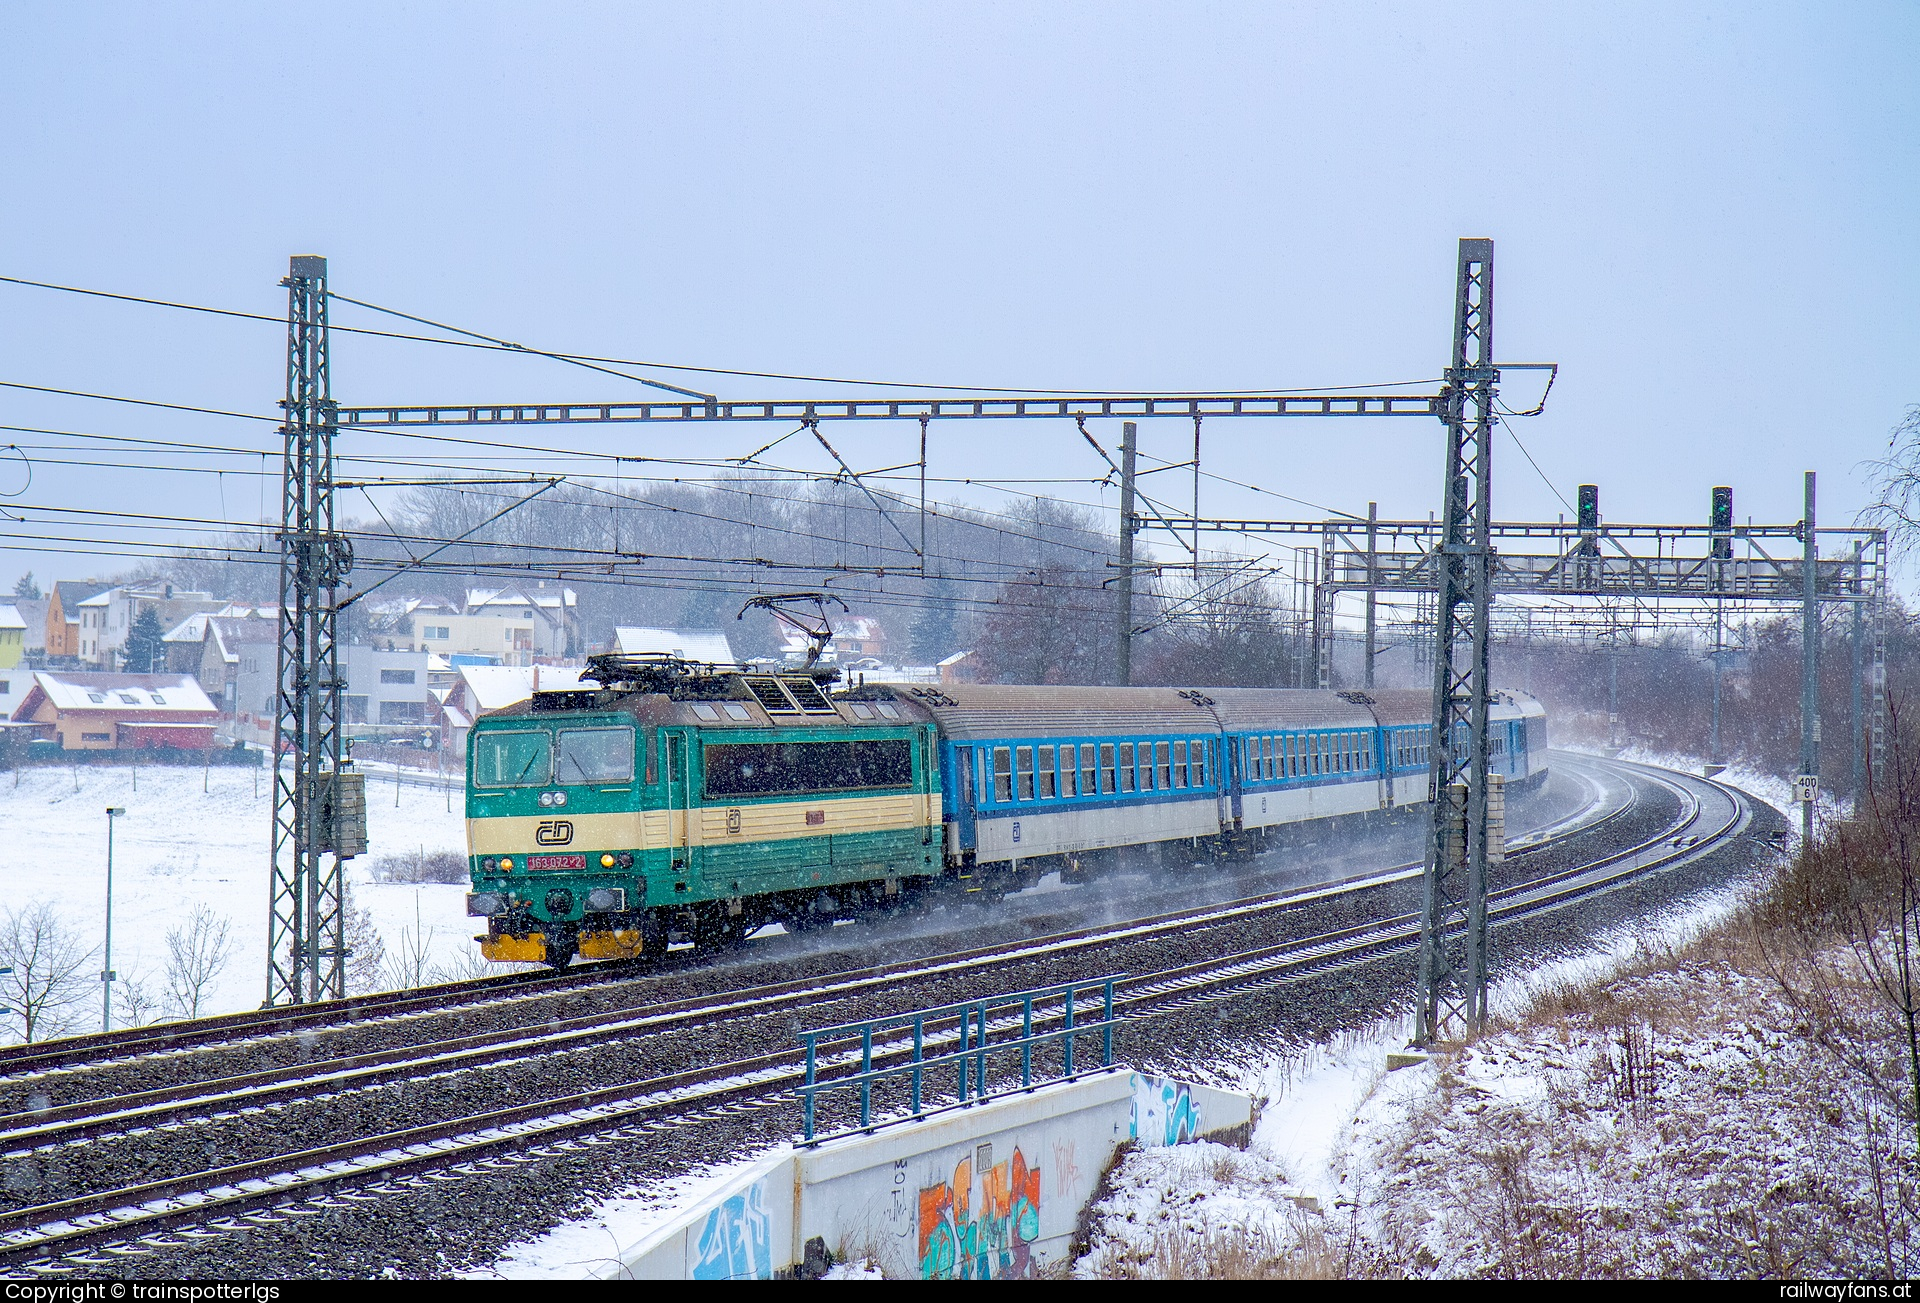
(546, 798)
(606, 861)
(624, 859)
(489, 864)
(506, 865)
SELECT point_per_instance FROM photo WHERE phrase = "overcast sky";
(1706, 214)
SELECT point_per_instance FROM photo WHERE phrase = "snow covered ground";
(1355, 1169)
(201, 838)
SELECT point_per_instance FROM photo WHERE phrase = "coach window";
(1180, 764)
(1127, 772)
(1163, 758)
(1200, 762)
(1146, 768)
(1089, 770)
(1002, 775)
(1069, 775)
(1046, 773)
(1275, 760)
(1023, 766)
(1106, 768)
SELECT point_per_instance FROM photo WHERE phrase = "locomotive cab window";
(594, 755)
(518, 759)
(794, 768)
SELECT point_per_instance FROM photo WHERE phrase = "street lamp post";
(106, 967)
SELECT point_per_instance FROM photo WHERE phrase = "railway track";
(527, 997)
(231, 1196)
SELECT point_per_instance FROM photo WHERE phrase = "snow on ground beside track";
(591, 1245)
(1775, 791)
(1329, 1118)
(179, 846)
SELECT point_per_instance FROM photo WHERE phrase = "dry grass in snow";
(1740, 1104)
(1676, 1123)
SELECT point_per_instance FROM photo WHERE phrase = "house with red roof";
(117, 712)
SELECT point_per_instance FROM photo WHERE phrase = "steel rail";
(49, 1226)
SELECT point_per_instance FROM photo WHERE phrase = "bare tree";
(1895, 480)
(1882, 921)
(45, 991)
(466, 965)
(366, 952)
(1223, 632)
(408, 966)
(198, 952)
(134, 1000)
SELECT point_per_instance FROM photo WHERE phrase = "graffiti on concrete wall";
(991, 1239)
(1164, 1112)
(737, 1241)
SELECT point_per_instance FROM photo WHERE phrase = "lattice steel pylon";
(305, 943)
(1453, 930)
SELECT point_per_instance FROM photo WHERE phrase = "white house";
(481, 688)
(708, 646)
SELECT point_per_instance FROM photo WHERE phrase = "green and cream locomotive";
(685, 802)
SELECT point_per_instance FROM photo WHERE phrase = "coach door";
(1226, 773)
(962, 789)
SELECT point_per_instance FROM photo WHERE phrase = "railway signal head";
(1721, 521)
(1589, 502)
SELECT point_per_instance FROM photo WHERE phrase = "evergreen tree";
(146, 652)
(935, 626)
(25, 589)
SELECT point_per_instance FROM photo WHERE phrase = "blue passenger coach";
(1032, 776)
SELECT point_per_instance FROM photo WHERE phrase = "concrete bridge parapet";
(990, 1191)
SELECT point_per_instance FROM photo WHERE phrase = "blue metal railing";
(965, 1026)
